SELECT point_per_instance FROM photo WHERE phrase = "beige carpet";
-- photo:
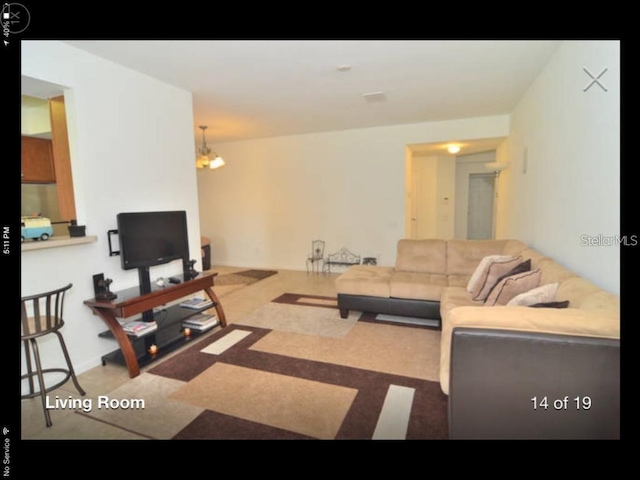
(227, 283)
(301, 319)
(295, 404)
(381, 348)
(293, 369)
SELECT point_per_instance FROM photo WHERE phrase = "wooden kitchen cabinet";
(37, 160)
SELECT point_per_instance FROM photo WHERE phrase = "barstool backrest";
(42, 313)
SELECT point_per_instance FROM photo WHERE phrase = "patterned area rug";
(294, 369)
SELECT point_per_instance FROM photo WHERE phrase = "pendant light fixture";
(203, 160)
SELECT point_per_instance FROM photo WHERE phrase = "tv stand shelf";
(169, 336)
(133, 352)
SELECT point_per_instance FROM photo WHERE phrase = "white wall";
(276, 195)
(571, 187)
(131, 150)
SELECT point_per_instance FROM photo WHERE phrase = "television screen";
(152, 238)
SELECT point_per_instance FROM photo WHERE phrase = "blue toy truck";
(35, 228)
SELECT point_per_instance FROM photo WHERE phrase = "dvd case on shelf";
(196, 303)
(200, 322)
(138, 328)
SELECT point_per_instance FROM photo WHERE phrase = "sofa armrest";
(525, 385)
(565, 321)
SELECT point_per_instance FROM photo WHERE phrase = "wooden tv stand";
(133, 351)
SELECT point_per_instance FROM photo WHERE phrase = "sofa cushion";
(453, 297)
(535, 257)
(553, 271)
(495, 271)
(509, 287)
(424, 256)
(602, 301)
(479, 275)
(543, 293)
(514, 248)
(458, 280)
(463, 256)
(576, 290)
(365, 280)
(417, 286)
(521, 267)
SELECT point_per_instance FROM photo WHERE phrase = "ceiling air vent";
(374, 97)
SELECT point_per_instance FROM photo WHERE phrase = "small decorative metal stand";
(317, 256)
(343, 258)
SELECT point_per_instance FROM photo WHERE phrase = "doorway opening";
(480, 208)
(451, 195)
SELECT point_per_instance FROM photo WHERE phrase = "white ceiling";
(246, 89)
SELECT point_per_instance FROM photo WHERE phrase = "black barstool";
(42, 315)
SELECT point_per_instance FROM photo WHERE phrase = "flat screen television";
(148, 239)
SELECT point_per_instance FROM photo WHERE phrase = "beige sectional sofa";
(431, 279)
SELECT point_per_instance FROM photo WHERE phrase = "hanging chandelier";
(204, 161)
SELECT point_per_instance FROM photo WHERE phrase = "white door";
(425, 186)
(415, 195)
(480, 210)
